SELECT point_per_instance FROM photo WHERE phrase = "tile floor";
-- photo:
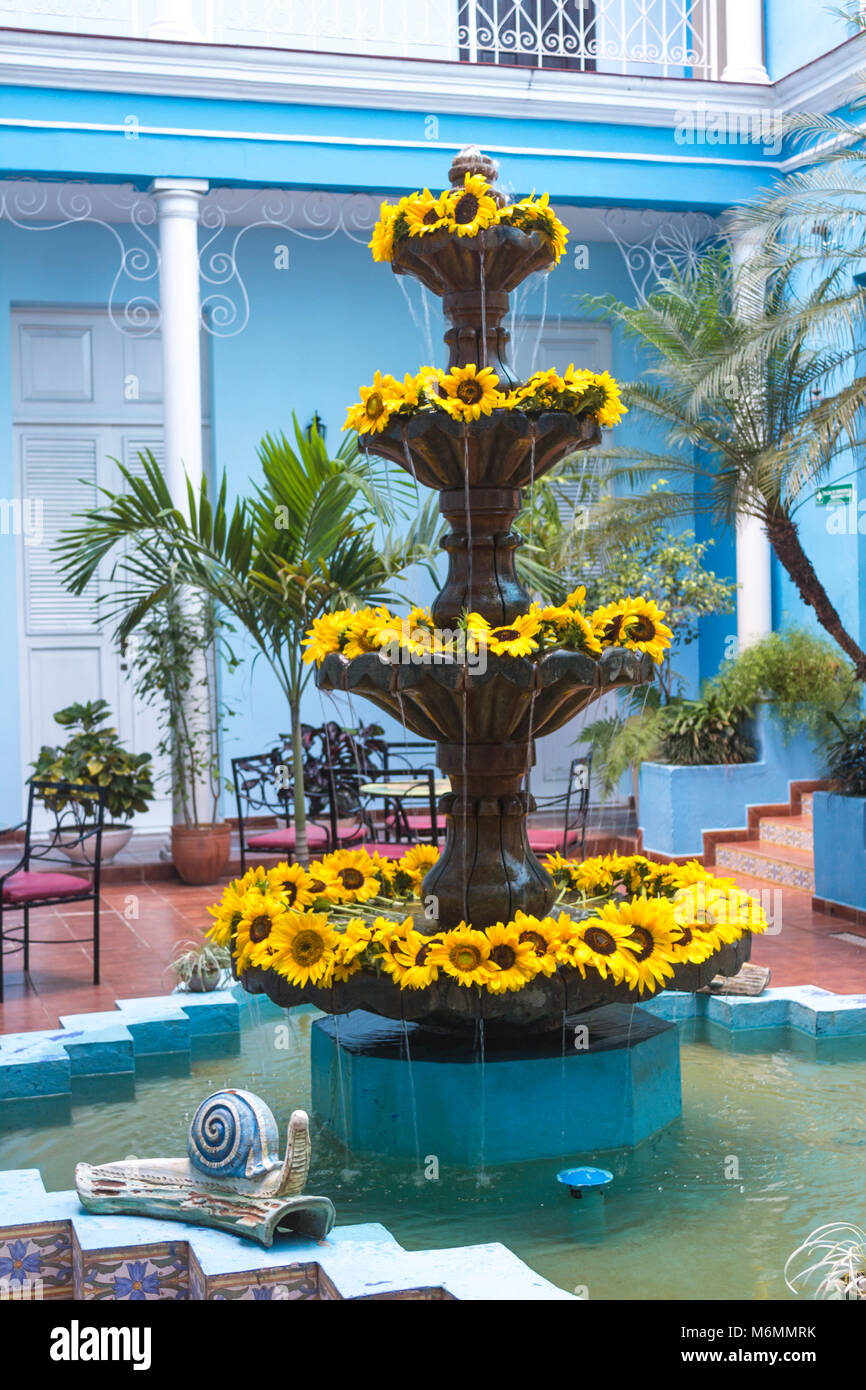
(142, 921)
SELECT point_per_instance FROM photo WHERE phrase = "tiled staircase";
(776, 847)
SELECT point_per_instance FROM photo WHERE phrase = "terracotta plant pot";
(200, 852)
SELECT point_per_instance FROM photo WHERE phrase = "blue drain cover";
(577, 1180)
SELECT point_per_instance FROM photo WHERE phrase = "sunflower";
(472, 207)
(513, 961)
(612, 411)
(262, 912)
(425, 213)
(476, 629)
(226, 915)
(560, 868)
(593, 877)
(418, 861)
(692, 946)
(607, 623)
(382, 242)
(516, 638)
(352, 942)
(292, 882)
(653, 929)
(597, 942)
(321, 638)
(411, 966)
(378, 403)
(356, 633)
(469, 392)
(543, 936)
(322, 880)
(355, 878)
(577, 597)
(464, 954)
(304, 946)
(565, 627)
(390, 937)
(644, 629)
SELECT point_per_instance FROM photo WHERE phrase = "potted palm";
(173, 656)
(94, 755)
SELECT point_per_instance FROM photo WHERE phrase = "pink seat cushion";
(547, 841)
(350, 833)
(27, 887)
(415, 822)
(278, 840)
(386, 850)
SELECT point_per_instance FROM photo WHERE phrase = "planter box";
(677, 804)
(839, 830)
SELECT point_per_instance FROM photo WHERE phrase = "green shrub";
(95, 756)
(804, 677)
(846, 760)
(709, 730)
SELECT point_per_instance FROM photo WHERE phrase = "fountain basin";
(538, 1007)
(608, 1079)
(506, 448)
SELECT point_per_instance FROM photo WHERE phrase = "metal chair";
(263, 788)
(78, 812)
(575, 804)
(412, 760)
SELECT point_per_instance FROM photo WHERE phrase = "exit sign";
(836, 495)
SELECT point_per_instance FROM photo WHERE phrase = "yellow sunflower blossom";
(418, 861)
(425, 213)
(464, 954)
(293, 883)
(355, 879)
(597, 943)
(321, 638)
(378, 403)
(543, 935)
(304, 946)
(262, 912)
(411, 966)
(652, 925)
(613, 409)
(643, 628)
(513, 961)
(517, 638)
(351, 944)
(469, 392)
(472, 208)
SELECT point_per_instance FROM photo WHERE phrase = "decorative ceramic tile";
(328, 1291)
(196, 1279)
(135, 1275)
(291, 1284)
(773, 870)
(36, 1259)
(778, 833)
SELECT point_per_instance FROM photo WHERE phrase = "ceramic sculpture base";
(616, 1084)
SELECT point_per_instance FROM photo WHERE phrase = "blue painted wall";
(798, 31)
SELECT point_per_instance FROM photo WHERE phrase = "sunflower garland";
(634, 623)
(321, 926)
(463, 212)
(467, 393)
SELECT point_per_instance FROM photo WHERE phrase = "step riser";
(771, 870)
(795, 836)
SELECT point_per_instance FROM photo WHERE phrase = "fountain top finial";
(470, 160)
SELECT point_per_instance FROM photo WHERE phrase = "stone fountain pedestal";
(393, 1089)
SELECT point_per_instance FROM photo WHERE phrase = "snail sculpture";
(232, 1178)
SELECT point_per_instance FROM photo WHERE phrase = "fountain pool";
(710, 1208)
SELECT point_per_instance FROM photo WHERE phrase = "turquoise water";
(772, 1143)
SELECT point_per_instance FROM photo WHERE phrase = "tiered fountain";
(612, 1072)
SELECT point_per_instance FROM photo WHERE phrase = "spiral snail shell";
(234, 1135)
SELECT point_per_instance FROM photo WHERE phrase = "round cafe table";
(402, 789)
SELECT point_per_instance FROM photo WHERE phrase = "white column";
(178, 211)
(744, 42)
(178, 203)
(754, 553)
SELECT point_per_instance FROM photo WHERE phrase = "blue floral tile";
(158, 1271)
(37, 1258)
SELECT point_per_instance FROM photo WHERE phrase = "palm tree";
(748, 433)
(317, 533)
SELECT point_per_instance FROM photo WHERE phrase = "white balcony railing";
(667, 38)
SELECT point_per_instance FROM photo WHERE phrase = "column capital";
(195, 187)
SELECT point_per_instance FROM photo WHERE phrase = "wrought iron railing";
(668, 38)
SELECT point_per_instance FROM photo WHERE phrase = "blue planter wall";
(678, 803)
(839, 829)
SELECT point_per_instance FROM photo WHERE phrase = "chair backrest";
(263, 785)
(76, 814)
(577, 796)
(409, 757)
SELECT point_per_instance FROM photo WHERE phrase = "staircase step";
(774, 863)
(795, 831)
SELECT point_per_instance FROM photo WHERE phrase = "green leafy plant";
(199, 964)
(736, 374)
(846, 760)
(318, 532)
(806, 680)
(172, 655)
(711, 730)
(95, 756)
